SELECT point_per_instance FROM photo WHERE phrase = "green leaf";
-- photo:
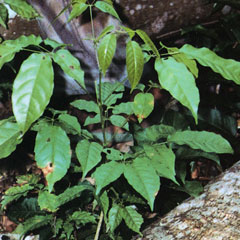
(92, 120)
(126, 108)
(88, 106)
(185, 152)
(23, 209)
(14, 193)
(218, 120)
(7, 53)
(113, 154)
(119, 121)
(73, 192)
(106, 174)
(193, 188)
(114, 217)
(32, 89)
(10, 136)
(132, 218)
(228, 68)
(77, 9)
(162, 159)
(135, 63)
(53, 153)
(143, 105)
(153, 133)
(129, 31)
(33, 223)
(106, 51)
(3, 15)
(70, 65)
(190, 63)
(53, 44)
(148, 41)
(69, 123)
(105, 31)
(175, 77)
(51, 202)
(110, 92)
(143, 178)
(24, 41)
(9, 48)
(107, 8)
(22, 8)
(47, 201)
(205, 141)
(82, 217)
(89, 155)
(104, 201)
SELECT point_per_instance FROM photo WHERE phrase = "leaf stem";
(99, 226)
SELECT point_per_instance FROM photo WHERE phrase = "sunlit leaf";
(148, 41)
(70, 65)
(119, 121)
(70, 123)
(135, 63)
(143, 178)
(228, 68)
(32, 89)
(132, 218)
(106, 174)
(143, 105)
(206, 141)
(106, 51)
(9, 137)
(3, 15)
(114, 217)
(88, 106)
(163, 160)
(107, 8)
(77, 9)
(22, 8)
(175, 77)
(52, 153)
(88, 154)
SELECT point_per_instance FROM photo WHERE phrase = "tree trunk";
(214, 215)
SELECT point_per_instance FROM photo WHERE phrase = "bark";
(215, 214)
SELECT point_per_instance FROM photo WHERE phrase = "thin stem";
(99, 226)
(101, 108)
